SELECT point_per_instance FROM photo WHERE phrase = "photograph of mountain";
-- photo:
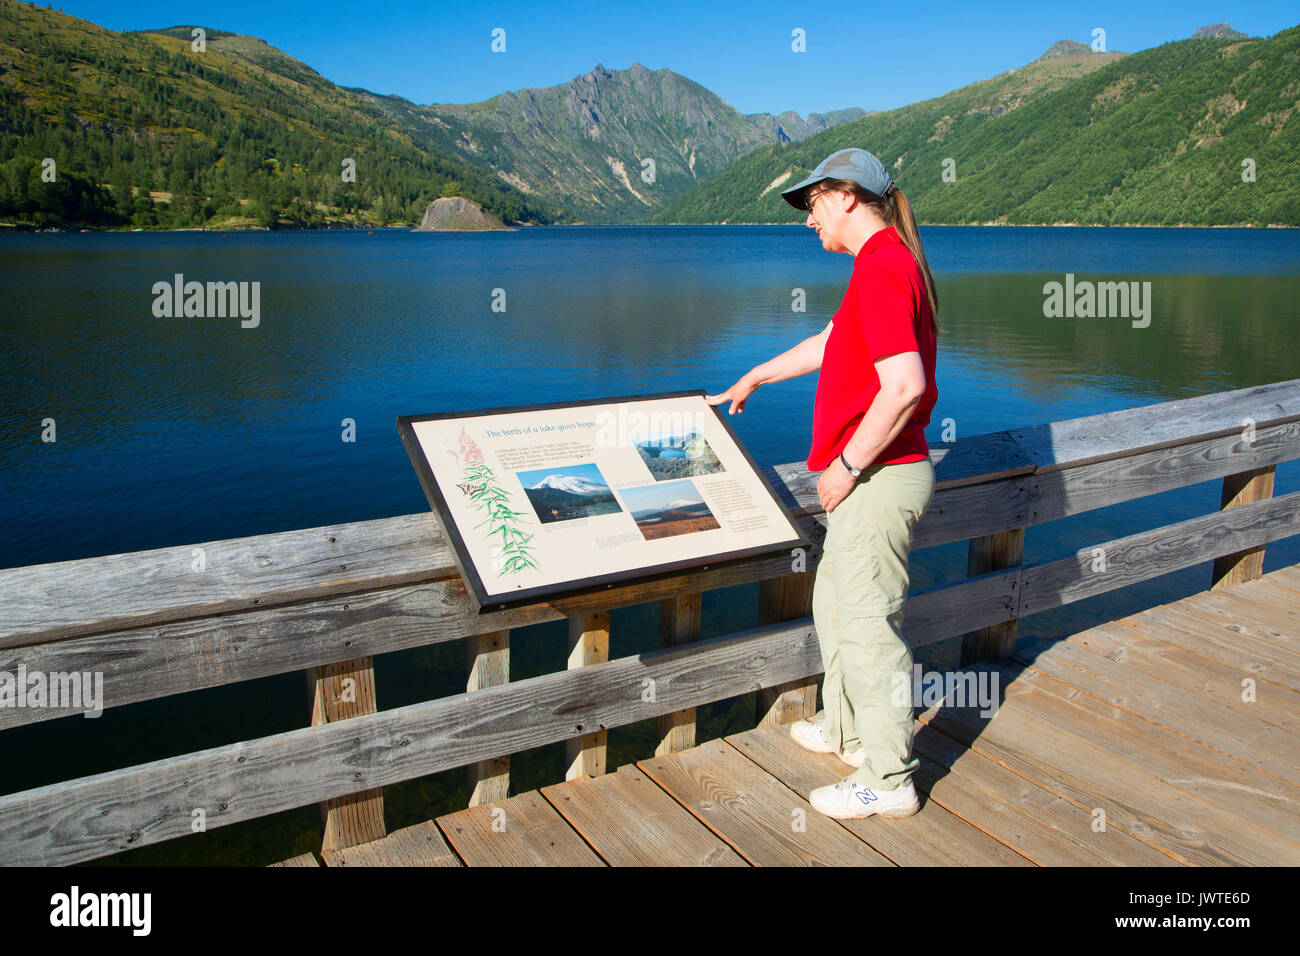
(662, 511)
(679, 455)
(562, 494)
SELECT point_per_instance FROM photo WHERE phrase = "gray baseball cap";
(853, 163)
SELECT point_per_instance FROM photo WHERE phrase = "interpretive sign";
(549, 501)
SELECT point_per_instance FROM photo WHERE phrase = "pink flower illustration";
(469, 450)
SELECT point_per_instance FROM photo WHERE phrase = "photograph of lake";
(677, 456)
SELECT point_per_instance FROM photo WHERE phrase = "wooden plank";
(1192, 715)
(961, 513)
(1034, 821)
(1217, 642)
(1127, 644)
(438, 601)
(1118, 563)
(1235, 610)
(522, 831)
(1288, 578)
(1081, 488)
(979, 459)
(1114, 434)
(302, 859)
(784, 599)
(588, 644)
(1117, 794)
(488, 659)
(679, 624)
(1269, 595)
(191, 655)
(442, 607)
(931, 837)
(943, 612)
(1266, 800)
(995, 552)
(1270, 603)
(969, 511)
(630, 821)
(93, 595)
(1240, 489)
(420, 845)
(763, 820)
(174, 658)
(341, 692)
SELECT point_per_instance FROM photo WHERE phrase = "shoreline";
(24, 229)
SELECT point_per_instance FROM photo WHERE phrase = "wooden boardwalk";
(1168, 738)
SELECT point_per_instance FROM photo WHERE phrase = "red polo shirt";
(885, 311)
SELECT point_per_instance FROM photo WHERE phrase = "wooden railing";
(326, 600)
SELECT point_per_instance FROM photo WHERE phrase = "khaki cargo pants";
(857, 608)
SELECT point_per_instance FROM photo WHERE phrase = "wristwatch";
(855, 472)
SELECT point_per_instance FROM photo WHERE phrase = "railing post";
(992, 552)
(588, 644)
(679, 623)
(1241, 489)
(489, 665)
(340, 691)
(783, 599)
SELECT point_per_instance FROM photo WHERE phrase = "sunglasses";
(812, 197)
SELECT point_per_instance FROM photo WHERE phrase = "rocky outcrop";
(1065, 48)
(1218, 31)
(457, 214)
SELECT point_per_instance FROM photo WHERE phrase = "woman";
(875, 393)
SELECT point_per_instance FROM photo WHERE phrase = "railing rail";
(326, 600)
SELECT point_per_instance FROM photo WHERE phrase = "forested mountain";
(145, 131)
(608, 146)
(1198, 131)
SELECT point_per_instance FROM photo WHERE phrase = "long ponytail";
(904, 222)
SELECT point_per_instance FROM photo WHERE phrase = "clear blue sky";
(440, 52)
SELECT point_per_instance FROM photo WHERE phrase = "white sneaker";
(848, 800)
(808, 734)
(855, 759)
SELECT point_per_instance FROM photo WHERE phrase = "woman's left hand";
(834, 485)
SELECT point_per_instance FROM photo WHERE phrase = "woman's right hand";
(737, 395)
